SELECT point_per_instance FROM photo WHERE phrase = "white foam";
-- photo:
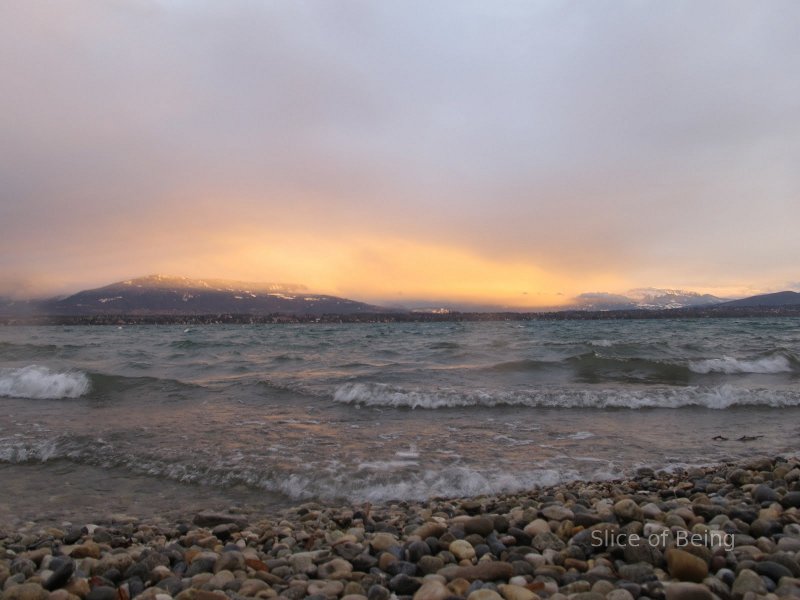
(41, 383)
(730, 365)
(720, 397)
(601, 343)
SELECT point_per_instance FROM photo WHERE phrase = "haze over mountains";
(166, 295)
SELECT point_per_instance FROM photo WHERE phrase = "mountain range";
(164, 295)
(648, 298)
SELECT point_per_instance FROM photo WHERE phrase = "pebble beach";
(728, 532)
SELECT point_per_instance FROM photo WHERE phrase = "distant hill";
(777, 299)
(645, 298)
(161, 295)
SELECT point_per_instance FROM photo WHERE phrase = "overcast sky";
(516, 152)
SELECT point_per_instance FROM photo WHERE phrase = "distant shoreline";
(713, 312)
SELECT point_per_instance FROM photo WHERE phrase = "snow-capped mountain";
(648, 298)
(159, 294)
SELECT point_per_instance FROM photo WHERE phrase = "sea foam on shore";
(730, 532)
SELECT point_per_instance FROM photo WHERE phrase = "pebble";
(484, 595)
(462, 550)
(685, 566)
(747, 581)
(687, 591)
(432, 590)
(628, 510)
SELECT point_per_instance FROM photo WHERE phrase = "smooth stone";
(382, 541)
(547, 541)
(88, 549)
(642, 552)
(250, 587)
(483, 571)
(430, 529)
(364, 562)
(26, 591)
(338, 568)
(747, 581)
(229, 561)
(786, 560)
(430, 564)
(687, 591)
(602, 586)
(378, 592)
(23, 565)
(640, 572)
(738, 477)
(462, 550)
(402, 566)
(201, 564)
(764, 493)
(717, 587)
(481, 526)
(685, 566)
(196, 594)
(557, 512)
(102, 592)
(404, 585)
(121, 562)
(330, 588)
(536, 527)
(78, 586)
(788, 544)
(218, 581)
(772, 570)
(62, 594)
(651, 511)
(587, 596)
(619, 594)
(60, 576)
(516, 592)
(791, 500)
(484, 595)
(213, 519)
(73, 535)
(628, 510)
(416, 550)
(432, 590)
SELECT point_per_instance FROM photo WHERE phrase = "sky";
(515, 153)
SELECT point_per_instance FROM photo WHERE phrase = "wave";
(593, 367)
(40, 383)
(29, 351)
(719, 397)
(729, 365)
(376, 481)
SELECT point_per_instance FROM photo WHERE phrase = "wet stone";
(404, 585)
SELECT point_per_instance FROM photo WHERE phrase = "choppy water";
(153, 419)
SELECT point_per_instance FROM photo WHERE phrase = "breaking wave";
(40, 383)
(330, 482)
(729, 365)
(720, 397)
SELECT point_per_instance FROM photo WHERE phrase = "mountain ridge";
(645, 298)
(785, 298)
(172, 295)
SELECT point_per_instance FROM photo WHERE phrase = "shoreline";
(729, 531)
(633, 314)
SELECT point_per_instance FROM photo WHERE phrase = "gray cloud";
(655, 141)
